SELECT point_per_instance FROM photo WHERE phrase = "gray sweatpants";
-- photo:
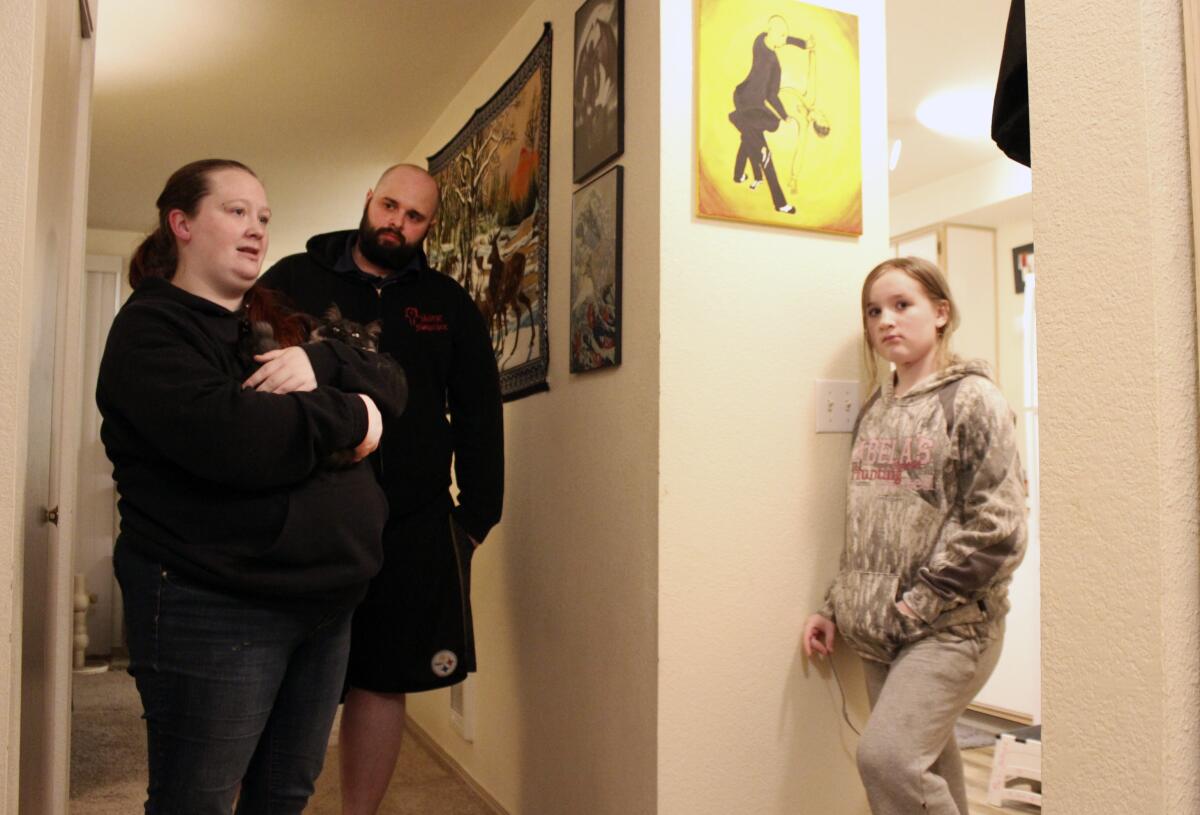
(908, 757)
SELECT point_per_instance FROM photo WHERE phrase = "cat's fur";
(259, 337)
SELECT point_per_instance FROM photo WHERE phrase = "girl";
(240, 559)
(935, 527)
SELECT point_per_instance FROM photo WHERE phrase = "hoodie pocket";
(865, 607)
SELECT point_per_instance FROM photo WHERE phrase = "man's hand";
(284, 370)
(374, 430)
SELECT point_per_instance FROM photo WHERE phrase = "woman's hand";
(284, 370)
(819, 633)
(374, 430)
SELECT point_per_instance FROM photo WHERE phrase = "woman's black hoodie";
(221, 483)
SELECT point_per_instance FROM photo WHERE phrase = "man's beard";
(391, 257)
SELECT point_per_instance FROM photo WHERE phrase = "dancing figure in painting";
(758, 110)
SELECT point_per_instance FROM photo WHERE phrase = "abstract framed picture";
(778, 115)
(596, 273)
(599, 106)
(1022, 265)
(492, 230)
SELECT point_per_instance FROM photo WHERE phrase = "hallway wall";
(565, 588)
(45, 65)
(751, 499)
(1117, 358)
(18, 149)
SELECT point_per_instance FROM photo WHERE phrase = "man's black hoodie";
(434, 329)
(221, 483)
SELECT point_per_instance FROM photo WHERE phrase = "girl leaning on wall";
(935, 528)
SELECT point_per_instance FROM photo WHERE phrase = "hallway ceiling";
(933, 45)
(350, 87)
(343, 87)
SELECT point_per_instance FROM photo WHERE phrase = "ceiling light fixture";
(895, 158)
(963, 113)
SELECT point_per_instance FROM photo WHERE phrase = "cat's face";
(355, 335)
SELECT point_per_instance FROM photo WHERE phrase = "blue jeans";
(235, 692)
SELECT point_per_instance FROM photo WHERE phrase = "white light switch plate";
(837, 403)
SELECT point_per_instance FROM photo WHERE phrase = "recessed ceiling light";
(964, 113)
(895, 158)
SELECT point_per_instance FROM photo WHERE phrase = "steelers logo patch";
(444, 663)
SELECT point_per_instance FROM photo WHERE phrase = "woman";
(240, 556)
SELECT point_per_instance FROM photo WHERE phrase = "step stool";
(1018, 757)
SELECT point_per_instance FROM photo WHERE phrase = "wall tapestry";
(599, 110)
(778, 116)
(493, 223)
(596, 273)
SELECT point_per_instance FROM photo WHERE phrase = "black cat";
(385, 384)
(356, 335)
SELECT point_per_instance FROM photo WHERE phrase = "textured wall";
(17, 148)
(1118, 406)
(751, 507)
(564, 591)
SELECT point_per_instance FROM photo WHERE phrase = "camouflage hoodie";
(935, 514)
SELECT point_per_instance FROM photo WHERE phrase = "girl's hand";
(819, 634)
(284, 370)
(906, 611)
(374, 430)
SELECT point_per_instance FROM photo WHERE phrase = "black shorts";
(413, 631)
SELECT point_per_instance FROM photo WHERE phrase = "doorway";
(957, 200)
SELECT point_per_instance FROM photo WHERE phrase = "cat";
(258, 337)
(356, 335)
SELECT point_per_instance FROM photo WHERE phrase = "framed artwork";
(596, 273)
(492, 230)
(599, 109)
(1022, 265)
(778, 115)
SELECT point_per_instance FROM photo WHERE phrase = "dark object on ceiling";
(1010, 110)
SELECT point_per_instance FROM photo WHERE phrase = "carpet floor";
(108, 762)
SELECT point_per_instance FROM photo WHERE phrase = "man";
(413, 631)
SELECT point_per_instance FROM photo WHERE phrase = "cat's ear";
(374, 330)
(333, 314)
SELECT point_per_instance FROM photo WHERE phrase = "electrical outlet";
(838, 403)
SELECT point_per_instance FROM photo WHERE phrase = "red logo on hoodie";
(425, 322)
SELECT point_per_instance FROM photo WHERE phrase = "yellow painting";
(778, 119)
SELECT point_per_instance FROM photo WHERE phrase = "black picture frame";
(1022, 263)
(598, 111)
(597, 224)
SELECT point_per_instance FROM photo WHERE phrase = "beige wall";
(18, 147)
(947, 198)
(751, 499)
(565, 587)
(1117, 355)
(42, 151)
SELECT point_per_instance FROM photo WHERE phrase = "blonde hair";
(934, 284)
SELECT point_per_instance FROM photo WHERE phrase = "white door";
(96, 498)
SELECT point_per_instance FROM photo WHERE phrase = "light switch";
(838, 403)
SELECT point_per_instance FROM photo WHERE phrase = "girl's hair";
(158, 255)
(936, 289)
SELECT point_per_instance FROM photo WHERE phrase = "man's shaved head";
(410, 173)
